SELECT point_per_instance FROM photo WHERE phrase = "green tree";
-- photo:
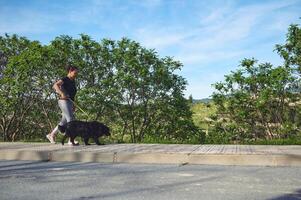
(261, 101)
(120, 83)
(23, 87)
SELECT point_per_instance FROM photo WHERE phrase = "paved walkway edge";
(155, 158)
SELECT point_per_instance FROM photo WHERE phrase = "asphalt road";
(54, 180)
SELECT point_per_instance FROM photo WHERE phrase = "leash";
(79, 108)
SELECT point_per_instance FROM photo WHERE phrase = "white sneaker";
(50, 138)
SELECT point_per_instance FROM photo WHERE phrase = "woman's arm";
(57, 87)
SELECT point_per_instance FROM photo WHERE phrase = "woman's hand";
(63, 96)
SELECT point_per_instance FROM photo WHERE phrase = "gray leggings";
(66, 107)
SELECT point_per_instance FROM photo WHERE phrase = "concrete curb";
(24, 155)
(247, 160)
(82, 157)
(155, 158)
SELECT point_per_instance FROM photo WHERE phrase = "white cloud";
(224, 34)
(214, 32)
(25, 21)
(159, 38)
(30, 20)
(202, 87)
(201, 57)
(199, 90)
(218, 35)
(216, 13)
(149, 3)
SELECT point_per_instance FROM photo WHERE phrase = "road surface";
(69, 180)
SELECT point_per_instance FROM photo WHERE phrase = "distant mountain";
(205, 100)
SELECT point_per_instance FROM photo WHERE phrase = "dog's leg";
(86, 140)
(72, 141)
(97, 141)
(64, 138)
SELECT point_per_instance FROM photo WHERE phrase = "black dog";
(85, 130)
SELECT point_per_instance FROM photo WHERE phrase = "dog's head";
(101, 129)
(62, 129)
(106, 130)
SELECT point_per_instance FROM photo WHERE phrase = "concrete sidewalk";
(251, 155)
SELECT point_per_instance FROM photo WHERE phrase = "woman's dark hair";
(71, 68)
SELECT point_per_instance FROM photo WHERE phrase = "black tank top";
(69, 87)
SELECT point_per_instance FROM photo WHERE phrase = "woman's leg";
(67, 114)
(51, 135)
(54, 131)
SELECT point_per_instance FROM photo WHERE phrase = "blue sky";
(210, 37)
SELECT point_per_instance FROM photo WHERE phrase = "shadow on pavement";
(158, 189)
(293, 196)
